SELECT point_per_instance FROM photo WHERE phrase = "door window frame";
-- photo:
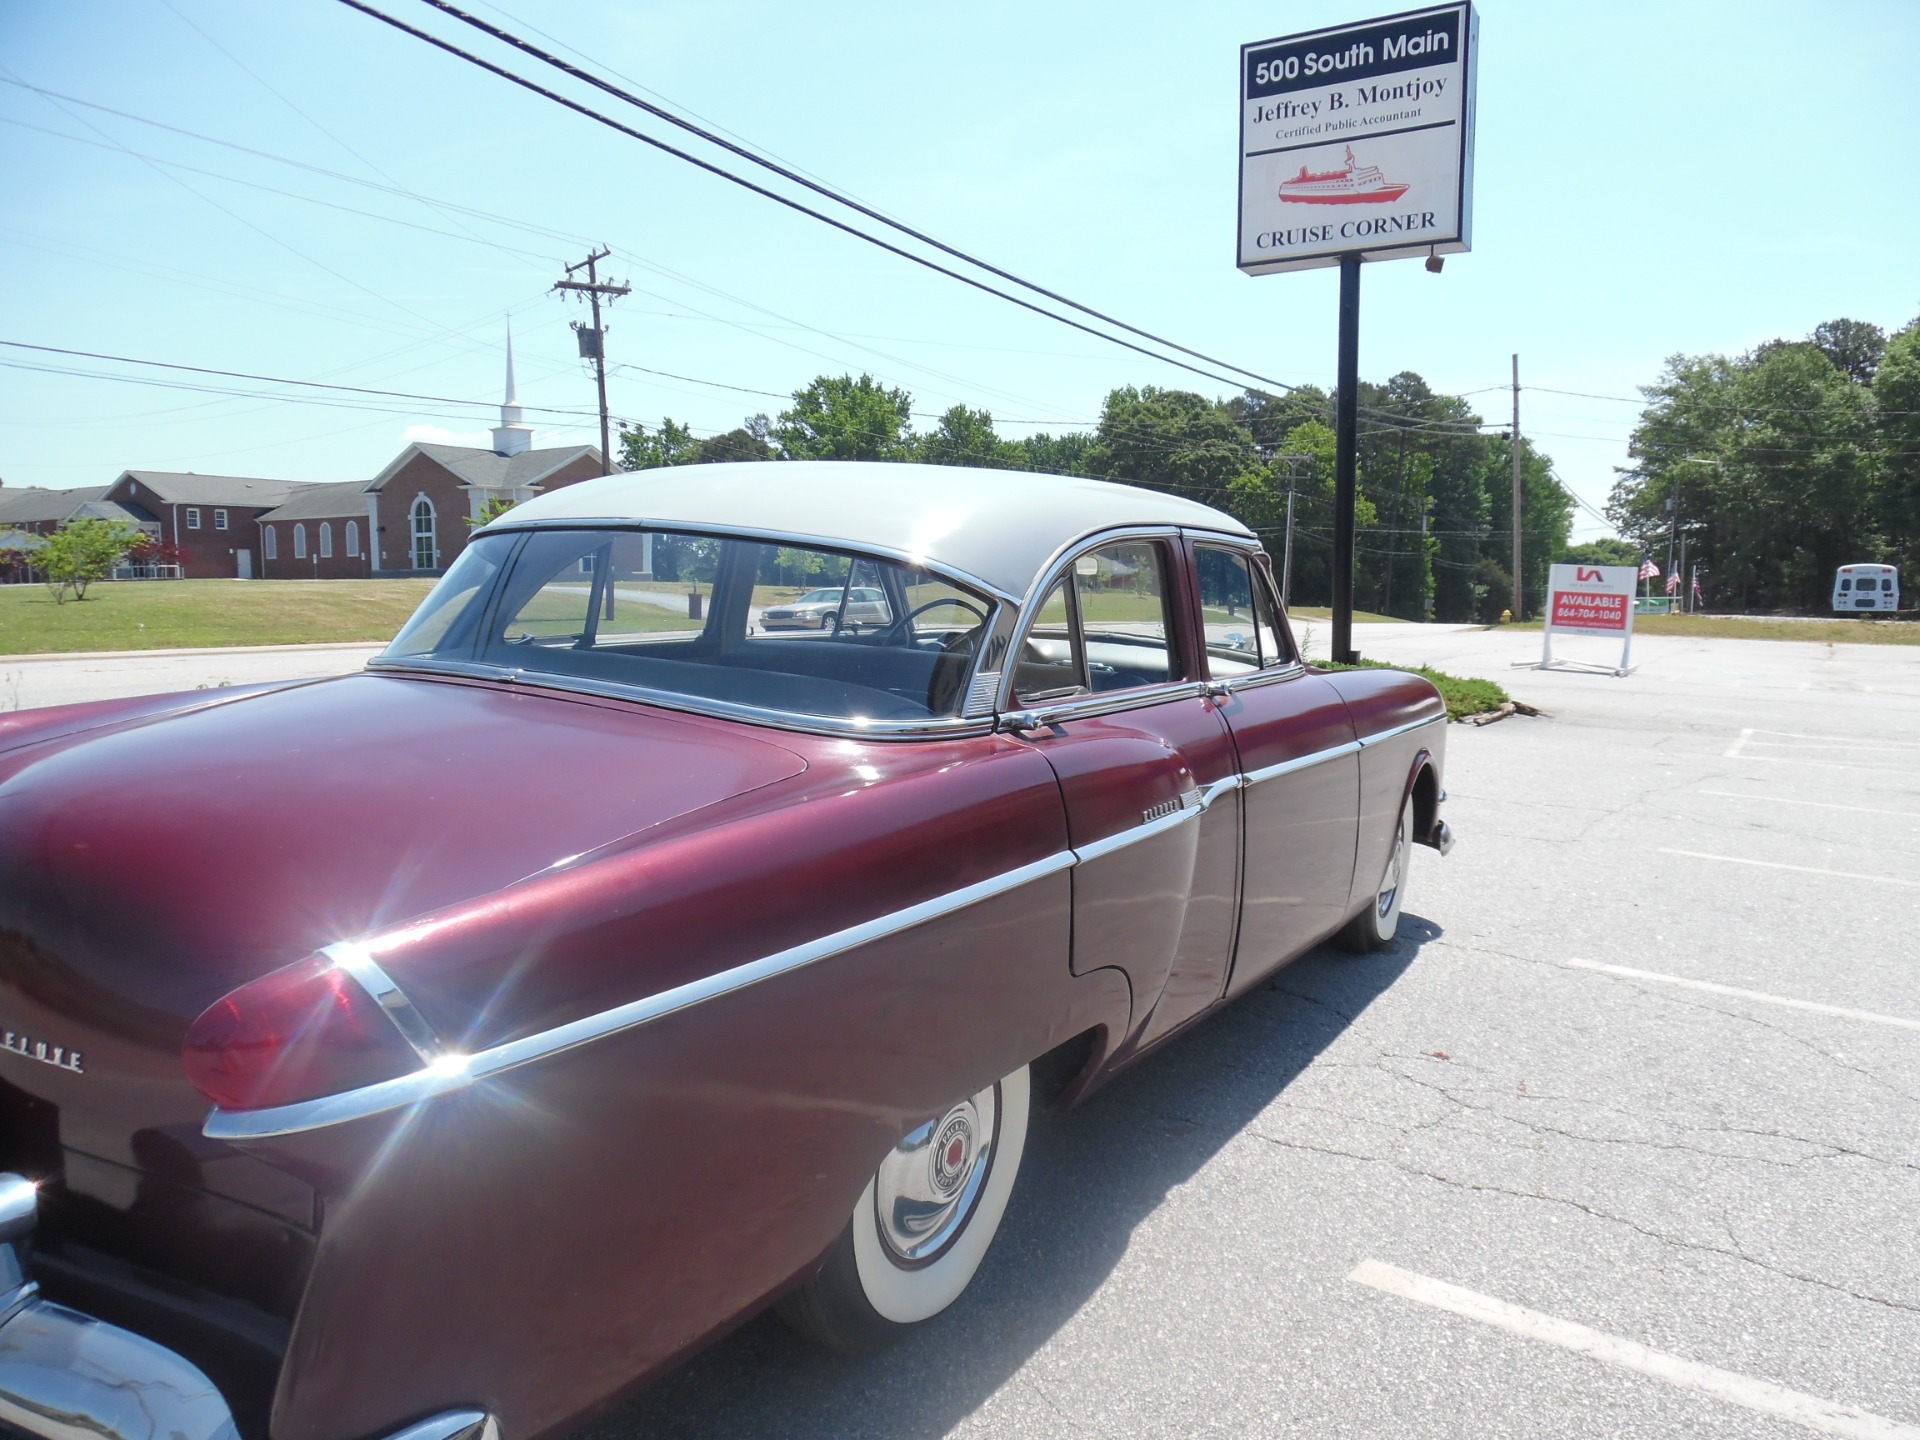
(1177, 575)
(1268, 672)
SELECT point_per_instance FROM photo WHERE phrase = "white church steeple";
(512, 436)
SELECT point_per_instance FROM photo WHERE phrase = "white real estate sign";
(1591, 600)
(1358, 139)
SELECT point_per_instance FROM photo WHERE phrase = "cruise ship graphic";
(1354, 185)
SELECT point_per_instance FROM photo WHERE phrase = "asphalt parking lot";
(1480, 1185)
(1619, 1140)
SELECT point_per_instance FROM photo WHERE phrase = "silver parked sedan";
(866, 605)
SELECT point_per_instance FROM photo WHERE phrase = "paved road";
(1725, 1178)
(29, 681)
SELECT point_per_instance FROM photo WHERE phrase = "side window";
(1238, 613)
(1274, 646)
(1051, 665)
(1122, 598)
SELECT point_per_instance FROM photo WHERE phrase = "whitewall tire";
(1376, 925)
(922, 1225)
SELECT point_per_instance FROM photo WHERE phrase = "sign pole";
(1346, 428)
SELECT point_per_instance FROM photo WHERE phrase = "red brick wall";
(208, 553)
(315, 566)
(420, 476)
(452, 505)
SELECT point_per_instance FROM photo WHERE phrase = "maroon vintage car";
(442, 1050)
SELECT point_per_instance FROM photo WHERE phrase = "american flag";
(1649, 570)
(1673, 584)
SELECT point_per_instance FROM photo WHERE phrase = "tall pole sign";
(1356, 144)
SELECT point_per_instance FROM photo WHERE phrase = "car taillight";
(298, 1033)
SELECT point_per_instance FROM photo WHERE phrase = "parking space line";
(1714, 989)
(1798, 869)
(1813, 804)
(1764, 1396)
(1844, 742)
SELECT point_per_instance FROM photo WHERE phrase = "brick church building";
(417, 508)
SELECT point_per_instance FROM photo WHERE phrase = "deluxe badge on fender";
(57, 1056)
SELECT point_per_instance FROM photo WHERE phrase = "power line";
(839, 197)
(779, 199)
(269, 379)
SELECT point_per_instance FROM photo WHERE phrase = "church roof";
(487, 469)
(342, 500)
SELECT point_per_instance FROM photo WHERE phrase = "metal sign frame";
(1581, 600)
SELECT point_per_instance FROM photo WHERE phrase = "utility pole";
(1346, 427)
(1519, 591)
(593, 338)
(1293, 464)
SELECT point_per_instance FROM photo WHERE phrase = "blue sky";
(1651, 179)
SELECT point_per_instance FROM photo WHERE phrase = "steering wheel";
(906, 621)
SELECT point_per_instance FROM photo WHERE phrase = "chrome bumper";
(68, 1376)
(1440, 837)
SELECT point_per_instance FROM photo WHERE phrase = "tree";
(1896, 393)
(1607, 551)
(1546, 513)
(841, 418)
(747, 441)
(1764, 468)
(81, 552)
(966, 437)
(1171, 440)
(671, 444)
(1854, 347)
(1064, 454)
(490, 512)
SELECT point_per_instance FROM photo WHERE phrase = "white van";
(1866, 590)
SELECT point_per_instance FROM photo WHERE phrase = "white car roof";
(1000, 526)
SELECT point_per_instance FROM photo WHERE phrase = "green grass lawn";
(1760, 627)
(160, 614)
(1463, 696)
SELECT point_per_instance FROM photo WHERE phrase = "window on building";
(299, 542)
(326, 539)
(193, 517)
(219, 519)
(426, 546)
(269, 542)
(353, 539)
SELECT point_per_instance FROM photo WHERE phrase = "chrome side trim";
(1301, 762)
(947, 728)
(1087, 707)
(453, 1425)
(1226, 785)
(1134, 834)
(391, 999)
(1405, 729)
(1272, 674)
(455, 1072)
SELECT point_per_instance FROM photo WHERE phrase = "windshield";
(700, 617)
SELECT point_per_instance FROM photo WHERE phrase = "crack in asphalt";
(1732, 1252)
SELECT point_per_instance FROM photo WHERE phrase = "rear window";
(687, 615)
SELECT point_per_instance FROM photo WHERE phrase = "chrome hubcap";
(1390, 882)
(928, 1186)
